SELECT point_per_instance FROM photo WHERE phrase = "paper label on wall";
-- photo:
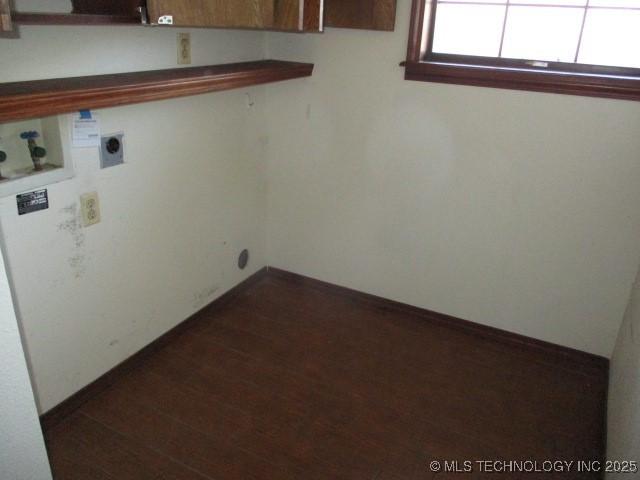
(85, 131)
(32, 201)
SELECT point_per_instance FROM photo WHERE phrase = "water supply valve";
(3, 158)
(36, 152)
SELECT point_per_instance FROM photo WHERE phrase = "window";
(585, 47)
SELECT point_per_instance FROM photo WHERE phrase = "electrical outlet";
(90, 209)
(184, 49)
(112, 150)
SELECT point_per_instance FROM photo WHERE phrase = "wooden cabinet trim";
(73, 19)
(6, 24)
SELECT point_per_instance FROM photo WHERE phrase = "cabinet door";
(366, 14)
(213, 13)
(299, 15)
(293, 15)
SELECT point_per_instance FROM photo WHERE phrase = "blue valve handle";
(29, 135)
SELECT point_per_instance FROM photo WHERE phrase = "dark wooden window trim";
(457, 69)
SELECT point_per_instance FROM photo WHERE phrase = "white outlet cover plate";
(90, 206)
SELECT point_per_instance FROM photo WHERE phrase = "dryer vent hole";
(243, 259)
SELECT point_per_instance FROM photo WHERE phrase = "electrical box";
(112, 150)
(33, 154)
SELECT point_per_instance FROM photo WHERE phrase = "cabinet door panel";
(292, 15)
(214, 13)
(366, 14)
(313, 18)
(287, 15)
(299, 15)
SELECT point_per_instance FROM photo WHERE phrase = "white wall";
(175, 217)
(22, 451)
(508, 208)
(513, 209)
(624, 389)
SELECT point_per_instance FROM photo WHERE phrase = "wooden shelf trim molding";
(41, 98)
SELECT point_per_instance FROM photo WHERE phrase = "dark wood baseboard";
(75, 401)
(561, 356)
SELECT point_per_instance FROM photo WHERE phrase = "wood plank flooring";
(290, 381)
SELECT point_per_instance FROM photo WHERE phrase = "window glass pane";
(468, 29)
(615, 3)
(542, 33)
(611, 37)
(472, 1)
(561, 3)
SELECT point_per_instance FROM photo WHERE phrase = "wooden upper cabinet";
(287, 15)
(293, 15)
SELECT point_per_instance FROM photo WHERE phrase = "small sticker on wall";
(32, 201)
(85, 131)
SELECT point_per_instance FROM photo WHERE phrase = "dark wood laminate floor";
(288, 381)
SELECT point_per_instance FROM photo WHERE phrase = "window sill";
(627, 88)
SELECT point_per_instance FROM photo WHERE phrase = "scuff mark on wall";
(73, 226)
(76, 263)
(202, 298)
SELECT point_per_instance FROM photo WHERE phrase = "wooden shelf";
(41, 98)
(72, 19)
